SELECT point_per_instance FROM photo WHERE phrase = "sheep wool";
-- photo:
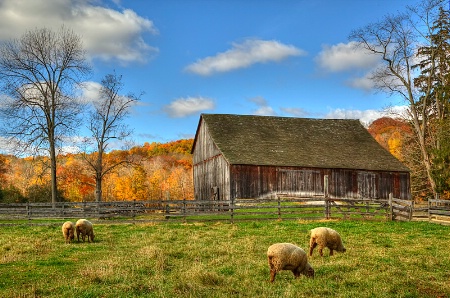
(325, 237)
(68, 230)
(287, 256)
(85, 228)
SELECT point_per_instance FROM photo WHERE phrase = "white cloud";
(263, 107)
(365, 82)
(90, 91)
(183, 107)
(243, 55)
(342, 57)
(107, 34)
(264, 111)
(366, 116)
(296, 112)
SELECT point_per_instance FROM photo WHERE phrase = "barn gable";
(256, 152)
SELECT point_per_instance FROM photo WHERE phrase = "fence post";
(428, 210)
(133, 211)
(184, 209)
(326, 196)
(28, 211)
(391, 209)
(279, 208)
(232, 210)
(327, 208)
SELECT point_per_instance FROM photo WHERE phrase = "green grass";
(218, 259)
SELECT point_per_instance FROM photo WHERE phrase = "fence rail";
(280, 207)
(439, 210)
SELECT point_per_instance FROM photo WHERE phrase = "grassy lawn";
(219, 259)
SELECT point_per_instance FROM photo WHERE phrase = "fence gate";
(401, 209)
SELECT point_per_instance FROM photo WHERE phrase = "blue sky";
(284, 58)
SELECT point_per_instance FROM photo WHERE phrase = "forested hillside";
(162, 171)
(397, 136)
(152, 171)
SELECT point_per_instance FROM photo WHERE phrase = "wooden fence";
(439, 210)
(279, 207)
(401, 209)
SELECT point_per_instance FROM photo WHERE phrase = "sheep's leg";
(311, 248)
(321, 250)
(273, 272)
(296, 272)
(331, 252)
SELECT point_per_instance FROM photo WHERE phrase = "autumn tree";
(434, 65)
(396, 40)
(39, 74)
(106, 123)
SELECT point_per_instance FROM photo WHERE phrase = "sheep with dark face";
(287, 256)
(68, 230)
(85, 228)
(325, 237)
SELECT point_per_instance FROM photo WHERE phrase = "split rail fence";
(279, 207)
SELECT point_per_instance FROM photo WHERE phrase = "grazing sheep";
(325, 237)
(287, 256)
(84, 227)
(68, 230)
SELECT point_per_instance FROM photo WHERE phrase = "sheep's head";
(309, 271)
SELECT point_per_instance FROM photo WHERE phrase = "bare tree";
(38, 76)
(106, 124)
(396, 40)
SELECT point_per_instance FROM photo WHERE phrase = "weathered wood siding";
(345, 183)
(216, 179)
(249, 181)
(210, 169)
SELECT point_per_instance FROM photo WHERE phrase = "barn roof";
(286, 141)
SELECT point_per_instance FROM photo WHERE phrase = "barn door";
(300, 182)
(367, 186)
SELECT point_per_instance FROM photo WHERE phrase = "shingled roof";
(286, 141)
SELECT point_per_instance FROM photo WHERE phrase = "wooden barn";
(241, 156)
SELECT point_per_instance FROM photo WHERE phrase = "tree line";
(162, 171)
(153, 171)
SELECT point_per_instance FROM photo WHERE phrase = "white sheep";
(85, 228)
(287, 256)
(325, 237)
(68, 230)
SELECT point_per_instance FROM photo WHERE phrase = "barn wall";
(253, 181)
(210, 169)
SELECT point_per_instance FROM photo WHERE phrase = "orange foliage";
(161, 171)
(391, 134)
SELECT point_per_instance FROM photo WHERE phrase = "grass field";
(383, 259)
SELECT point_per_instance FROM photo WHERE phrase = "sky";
(289, 58)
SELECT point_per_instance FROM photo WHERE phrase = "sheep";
(84, 227)
(68, 230)
(287, 256)
(325, 237)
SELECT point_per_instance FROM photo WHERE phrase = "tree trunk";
(53, 173)
(99, 175)
(98, 188)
